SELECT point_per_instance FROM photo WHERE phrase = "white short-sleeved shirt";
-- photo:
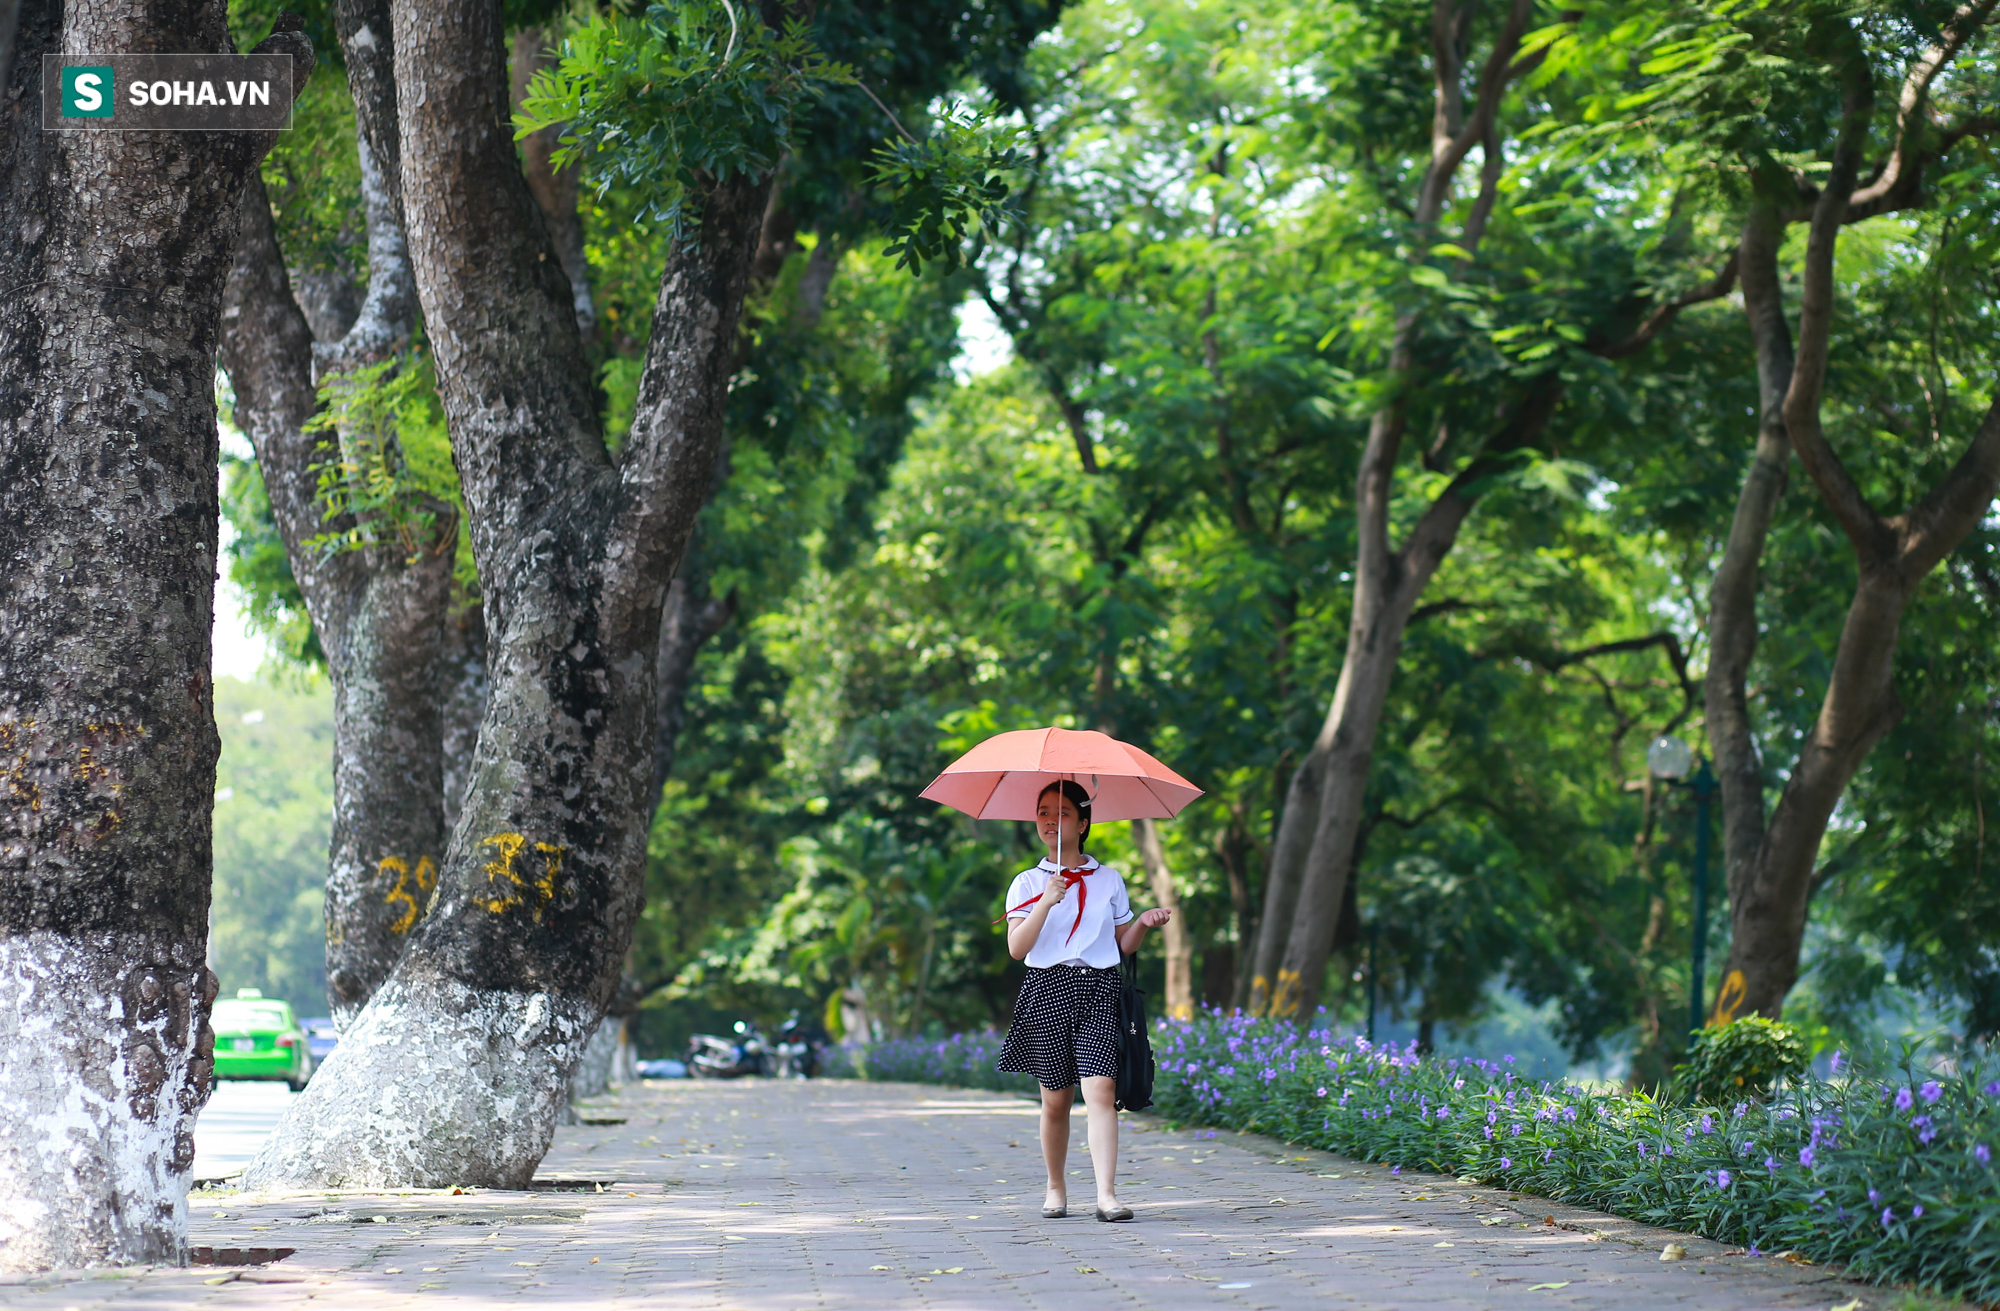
(1095, 939)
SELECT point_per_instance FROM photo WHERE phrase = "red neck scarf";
(1075, 878)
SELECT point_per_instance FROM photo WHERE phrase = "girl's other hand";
(1155, 917)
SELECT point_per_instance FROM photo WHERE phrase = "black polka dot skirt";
(1065, 1026)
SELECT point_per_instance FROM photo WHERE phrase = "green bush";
(1743, 1058)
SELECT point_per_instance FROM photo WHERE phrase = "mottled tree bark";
(113, 249)
(380, 611)
(455, 1071)
(1769, 883)
(462, 704)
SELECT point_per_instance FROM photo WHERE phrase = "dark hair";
(1073, 792)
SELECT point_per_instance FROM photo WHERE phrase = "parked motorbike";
(713, 1057)
(797, 1051)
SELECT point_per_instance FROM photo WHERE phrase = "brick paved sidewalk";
(769, 1196)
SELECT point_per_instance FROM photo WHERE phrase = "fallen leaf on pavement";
(1855, 1305)
(1536, 1288)
(1443, 1244)
(1086, 1269)
(1672, 1252)
(955, 1270)
(883, 1267)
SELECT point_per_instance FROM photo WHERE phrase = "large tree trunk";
(1386, 588)
(379, 611)
(1732, 596)
(1179, 945)
(461, 704)
(1769, 886)
(1387, 581)
(455, 1072)
(1296, 824)
(114, 247)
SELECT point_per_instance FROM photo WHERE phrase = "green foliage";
(273, 810)
(313, 177)
(948, 188)
(1743, 1058)
(692, 93)
(260, 570)
(387, 469)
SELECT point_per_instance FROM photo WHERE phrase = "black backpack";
(1135, 1050)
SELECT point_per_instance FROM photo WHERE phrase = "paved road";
(239, 1116)
(867, 1196)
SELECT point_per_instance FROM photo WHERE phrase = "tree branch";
(1901, 174)
(1873, 538)
(1073, 415)
(1663, 315)
(1449, 148)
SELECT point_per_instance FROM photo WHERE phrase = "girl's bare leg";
(1100, 1101)
(1055, 1142)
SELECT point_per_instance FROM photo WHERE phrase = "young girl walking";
(1070, 920)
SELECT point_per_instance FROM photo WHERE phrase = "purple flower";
(1873, 1197)
(1322, 1092)
(1397, 1169)
(1517, 1130)
(1707, 1123)
(1548, 1156)
(1925, 1129)
(1770, 1165)
(1931, 1091)
(1981, 1154)
(1506, 1164)
(1917, 1211)
(1993, 1089)
(1904, 1101)
(1642, 1149)
(1806, 1157)
(1888, 1217)
(1444, 1112)
(1839, 1059)
(1742, 1109)
(1722, 1179)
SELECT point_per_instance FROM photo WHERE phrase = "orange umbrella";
(1002, 777)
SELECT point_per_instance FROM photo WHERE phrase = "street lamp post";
(1669, 758)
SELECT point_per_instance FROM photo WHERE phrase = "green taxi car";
(257, 1037)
